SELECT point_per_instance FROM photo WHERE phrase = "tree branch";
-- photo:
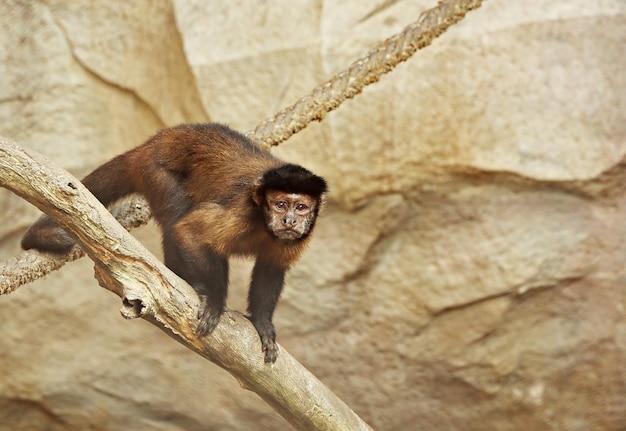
(152, 291)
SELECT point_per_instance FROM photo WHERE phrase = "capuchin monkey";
(215, 194)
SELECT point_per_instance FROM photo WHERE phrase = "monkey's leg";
(265, 288)
(184, 253)
(46, 235)
(107, 183)
(205, 271)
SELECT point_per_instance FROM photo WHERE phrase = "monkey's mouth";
(287, 234)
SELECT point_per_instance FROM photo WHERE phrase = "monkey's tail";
(108, 183)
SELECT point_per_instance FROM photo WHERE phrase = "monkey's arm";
(265, 288)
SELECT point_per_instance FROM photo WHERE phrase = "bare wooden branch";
(150, 290)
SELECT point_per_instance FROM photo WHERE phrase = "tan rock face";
(467, 271)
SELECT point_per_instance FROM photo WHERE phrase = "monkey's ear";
(258, 192)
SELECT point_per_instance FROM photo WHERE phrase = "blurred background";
(467, 272)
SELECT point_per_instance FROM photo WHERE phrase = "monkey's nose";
(289, 221)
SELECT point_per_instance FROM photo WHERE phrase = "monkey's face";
(289, 216)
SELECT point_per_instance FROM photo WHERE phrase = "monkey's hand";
(270, 349)
(209, 317)
(267, 333)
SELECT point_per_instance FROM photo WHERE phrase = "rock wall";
(468, 270)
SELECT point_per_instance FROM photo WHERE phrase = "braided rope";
(364, 71)
(29, 266)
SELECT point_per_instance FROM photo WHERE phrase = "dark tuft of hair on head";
(294, 179)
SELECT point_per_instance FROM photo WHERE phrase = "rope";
(366, 70)
(29, 266)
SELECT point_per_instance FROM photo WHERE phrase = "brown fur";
(207, 186)
(236, 236)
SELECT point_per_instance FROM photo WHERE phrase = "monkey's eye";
(301, 207)
(281, 205)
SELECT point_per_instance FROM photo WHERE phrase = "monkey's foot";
(46, 235)
(208, 320)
